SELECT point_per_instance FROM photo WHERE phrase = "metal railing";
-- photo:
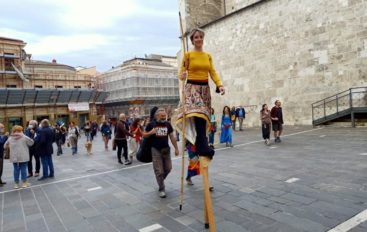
(351, 101)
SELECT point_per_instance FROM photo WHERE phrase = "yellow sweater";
(199, 65)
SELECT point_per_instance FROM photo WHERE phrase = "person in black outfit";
(121, 133)
(31, 132)
(44, 140)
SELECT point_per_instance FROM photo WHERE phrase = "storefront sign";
(83, 106)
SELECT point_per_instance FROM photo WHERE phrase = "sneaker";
(16, 186)
(162, 194)
(279, 140)
(276, 140)
(189, 181)
(25, 184)
(128, 162)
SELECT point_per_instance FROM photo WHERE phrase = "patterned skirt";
(198, 104)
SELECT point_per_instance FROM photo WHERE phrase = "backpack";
(144, 153)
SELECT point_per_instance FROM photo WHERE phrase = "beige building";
(297, 51)
(32, 89)
(141, 83)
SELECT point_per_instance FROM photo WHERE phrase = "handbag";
(227, 126)
(6, 153)
(145, 151)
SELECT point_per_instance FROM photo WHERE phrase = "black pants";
(201, 143)
(32, 153)
(121, 144)
(1, 167)
(266, 130)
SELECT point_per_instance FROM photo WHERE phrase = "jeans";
(47, 165)
(32, 153)
(59, 142)
(240, 121)
(20, 169)
(162, 166)
(121, 144)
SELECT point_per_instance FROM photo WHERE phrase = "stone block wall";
(295, 51)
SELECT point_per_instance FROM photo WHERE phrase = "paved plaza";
(313, 181)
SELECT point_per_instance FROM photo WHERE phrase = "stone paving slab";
(95, 193)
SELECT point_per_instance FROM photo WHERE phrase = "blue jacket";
(243, 112)
(3, 139)
(106, 130)
(44, 139)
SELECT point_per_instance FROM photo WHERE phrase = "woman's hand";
(222, 90)
(184, 75)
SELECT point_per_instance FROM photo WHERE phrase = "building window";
(77, 87)
(38, 86)
(11, 86)
(58, 86)
(8, 66)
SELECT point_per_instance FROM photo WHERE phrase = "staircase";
(348, 104)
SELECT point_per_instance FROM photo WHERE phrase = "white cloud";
(86, 14)
(66, 44)
(14, 34)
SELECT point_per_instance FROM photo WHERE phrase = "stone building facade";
(31, 89)
(296, 51)
(140, 84)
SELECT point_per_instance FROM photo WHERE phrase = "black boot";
(201, 143)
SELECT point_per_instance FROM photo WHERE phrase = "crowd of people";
(127, 134)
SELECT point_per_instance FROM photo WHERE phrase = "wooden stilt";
(208, 209)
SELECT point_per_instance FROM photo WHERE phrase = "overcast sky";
(100, 33)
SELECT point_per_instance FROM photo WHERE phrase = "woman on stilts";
(196, 67)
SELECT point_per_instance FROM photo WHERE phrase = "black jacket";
(44, 139)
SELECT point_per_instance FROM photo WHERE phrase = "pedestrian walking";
(87, 130)
(106, 134)
(233, 118)
(276, 114)
(31, 131)
(213, 128)
(73, 137)
(59, 138)
(44, 139)
(226, 127)
(121, 136)
(94, 131)
(19, 144)
(241, 115)
(3, 138)
(159, 131)
(265, 123)
(136, 129)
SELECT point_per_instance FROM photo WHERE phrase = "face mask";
(161, 120)
(30, 126)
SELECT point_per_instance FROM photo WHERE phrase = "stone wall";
(295, 51)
